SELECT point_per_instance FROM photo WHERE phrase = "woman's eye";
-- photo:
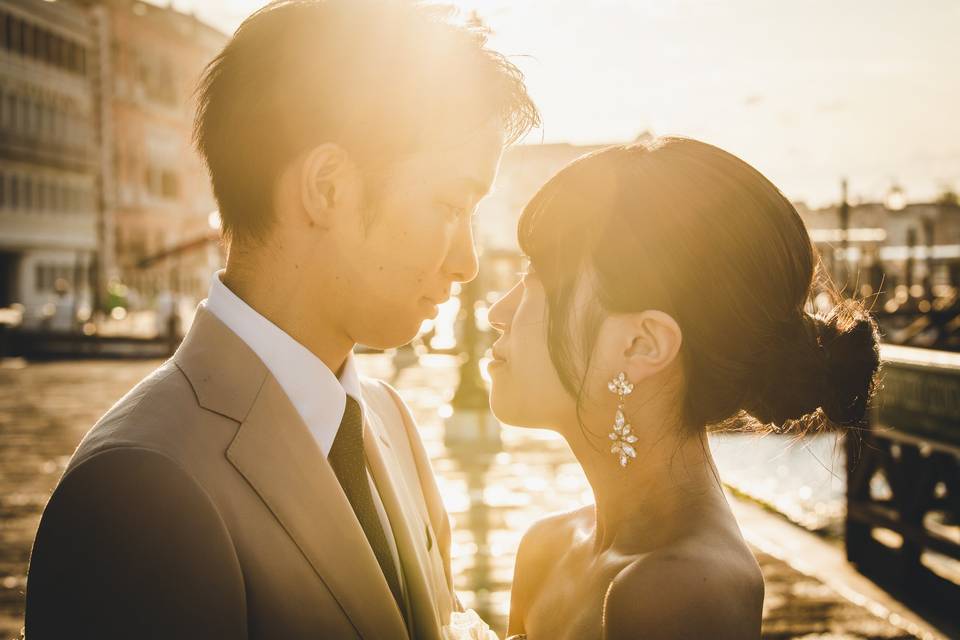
(526, 269)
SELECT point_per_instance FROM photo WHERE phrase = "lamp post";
(472, 436)
(843, 264)
(471, 428)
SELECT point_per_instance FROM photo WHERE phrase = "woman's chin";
(496, 403)
(504, 409)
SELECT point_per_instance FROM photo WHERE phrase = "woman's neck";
(644, 503)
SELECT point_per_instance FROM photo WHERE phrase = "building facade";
(157, 187)
(523, 170)
(48, 163)
(903, 254)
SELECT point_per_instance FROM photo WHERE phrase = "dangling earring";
(621, 435)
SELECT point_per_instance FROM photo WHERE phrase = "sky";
(808, 92)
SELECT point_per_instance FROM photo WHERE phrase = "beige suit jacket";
(201, 506)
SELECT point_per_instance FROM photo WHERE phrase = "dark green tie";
(349, 464)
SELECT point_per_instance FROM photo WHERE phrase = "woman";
(670, 289)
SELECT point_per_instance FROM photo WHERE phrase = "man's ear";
(325, 180)
(654, 340)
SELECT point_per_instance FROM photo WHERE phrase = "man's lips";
(438, 300)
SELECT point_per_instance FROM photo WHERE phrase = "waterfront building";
(912, 250)
(48, 219)
(158, 190)
(523, 170)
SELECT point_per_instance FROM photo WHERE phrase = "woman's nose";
(501, 313)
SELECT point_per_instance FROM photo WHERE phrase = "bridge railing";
(903, 478)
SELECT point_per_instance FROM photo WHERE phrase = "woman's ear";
(325, 180)
(652, 342)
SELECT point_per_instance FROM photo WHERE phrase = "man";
(254, 486)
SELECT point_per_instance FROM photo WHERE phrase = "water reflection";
(804, 479)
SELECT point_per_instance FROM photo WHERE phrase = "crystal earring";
(621, 435)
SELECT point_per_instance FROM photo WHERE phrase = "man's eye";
(452, 209)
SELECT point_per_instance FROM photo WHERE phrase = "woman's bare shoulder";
(687, 591)
(545, 541)
(556, 529)
(541, 546)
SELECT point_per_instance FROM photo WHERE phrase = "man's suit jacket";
(200, 506)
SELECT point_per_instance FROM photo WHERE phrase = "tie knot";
(352, 415)
(348, 443)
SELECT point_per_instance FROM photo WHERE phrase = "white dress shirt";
(315, 392)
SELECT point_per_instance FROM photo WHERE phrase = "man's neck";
(278, 299)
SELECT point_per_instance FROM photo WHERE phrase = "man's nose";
(463, 265)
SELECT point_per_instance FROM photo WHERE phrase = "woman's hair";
(684, 227)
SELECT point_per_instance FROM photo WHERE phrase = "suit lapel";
(408, 529)
(277, 455)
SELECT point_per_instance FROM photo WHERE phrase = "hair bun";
(850, 342)
(826, 363)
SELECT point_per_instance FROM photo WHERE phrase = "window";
(63, 53)
(24, 27)
(27, 45)
(13, 34)
(24, 114)
(39, 43)
(3, 191)
(56, 45)
(55, 129)
(44, 125)
(50, 54)
(37, 124)
(28, 193)
(14, 191)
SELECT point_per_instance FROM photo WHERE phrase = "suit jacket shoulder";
(162, 414)
(129, 536)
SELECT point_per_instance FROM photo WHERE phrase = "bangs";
(559, 230)
(560, 226)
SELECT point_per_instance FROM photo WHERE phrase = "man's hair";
(381, 78)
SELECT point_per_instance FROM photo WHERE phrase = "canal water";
(46, 408)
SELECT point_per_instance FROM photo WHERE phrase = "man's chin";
(396, 336)
(429, 308)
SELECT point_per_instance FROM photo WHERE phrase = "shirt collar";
(316, 393)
